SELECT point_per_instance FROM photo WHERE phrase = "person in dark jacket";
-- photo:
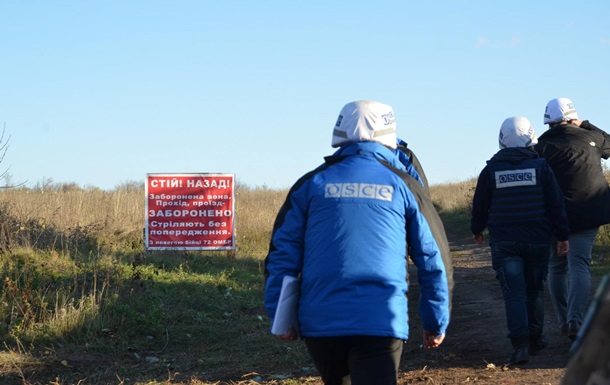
(411, 162)
(574, 149)
(414, 168)
(518, 200)
(344, 229)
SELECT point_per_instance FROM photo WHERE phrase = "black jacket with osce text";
(575, 153)
(518, 199)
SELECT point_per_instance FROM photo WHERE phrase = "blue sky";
(100, 93)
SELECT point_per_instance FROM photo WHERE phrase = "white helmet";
(558, 110)
(517, 131)
(365, 121)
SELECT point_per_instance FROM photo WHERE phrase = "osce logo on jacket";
(359, 190)
(513, 178)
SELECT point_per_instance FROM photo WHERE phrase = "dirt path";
(476, 349)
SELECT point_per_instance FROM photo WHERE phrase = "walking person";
(574, 149)
(518, 200)
(344, 229)
(407, 157)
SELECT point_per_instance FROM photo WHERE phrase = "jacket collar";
(558, 129)
(513, 155)
(370, 149)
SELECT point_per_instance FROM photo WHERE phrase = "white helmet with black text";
(365, 121)
(559, 110)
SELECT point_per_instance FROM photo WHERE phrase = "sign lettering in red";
(190, 212)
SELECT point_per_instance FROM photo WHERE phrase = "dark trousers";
(356, 360)
(521, 269)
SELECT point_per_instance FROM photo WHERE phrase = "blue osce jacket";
(345, 228)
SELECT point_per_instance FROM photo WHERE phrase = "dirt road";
(476, 349)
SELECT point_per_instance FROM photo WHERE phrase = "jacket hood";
(513, 155)
(373, 149)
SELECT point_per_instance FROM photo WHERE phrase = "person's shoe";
(520, 356)
(573, 328)
(537, 344)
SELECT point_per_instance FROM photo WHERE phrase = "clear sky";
(100, 93)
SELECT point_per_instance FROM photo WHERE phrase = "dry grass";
(117, 210)
(453, 196)
(68, 219)
(255, 213)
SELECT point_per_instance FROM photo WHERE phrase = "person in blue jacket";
(344, 229)
(520, 202)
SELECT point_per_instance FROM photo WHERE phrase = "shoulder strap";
(426, 207)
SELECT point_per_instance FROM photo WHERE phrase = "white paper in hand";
(286, 314)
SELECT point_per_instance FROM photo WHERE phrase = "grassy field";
(82, 302)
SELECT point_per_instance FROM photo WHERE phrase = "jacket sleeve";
(481, 201)
(286, 247)
(555, 204)
(431, 275)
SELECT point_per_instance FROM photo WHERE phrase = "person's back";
(517, 210)
(344, 230)
(574, 149)
(354, 265)
(512, 196)
(574, 153)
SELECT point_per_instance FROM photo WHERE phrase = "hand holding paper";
(286, 321)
